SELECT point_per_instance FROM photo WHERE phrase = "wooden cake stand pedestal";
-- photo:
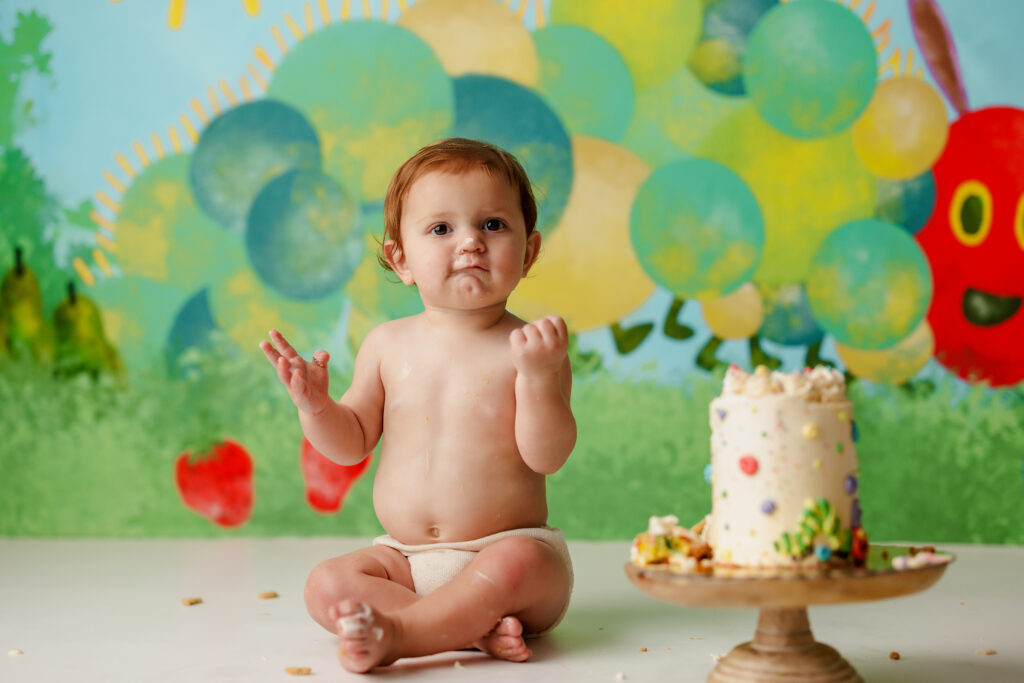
(783, 648)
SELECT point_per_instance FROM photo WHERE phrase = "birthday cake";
(784, 480)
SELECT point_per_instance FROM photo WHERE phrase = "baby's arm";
(344, 431)
(544, 426)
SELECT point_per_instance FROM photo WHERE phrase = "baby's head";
(454, 155)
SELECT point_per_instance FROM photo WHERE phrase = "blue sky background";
(120, 74)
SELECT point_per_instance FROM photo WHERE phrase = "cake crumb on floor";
(894, 655)
(985, 652)
(188, 602)
(267, 595)
(298, 670)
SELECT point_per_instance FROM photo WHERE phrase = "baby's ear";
(396, 259)
(532, 251)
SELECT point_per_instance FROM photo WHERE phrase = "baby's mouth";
(985, 309)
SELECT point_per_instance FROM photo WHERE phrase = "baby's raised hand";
(306, 381)
(539, 347)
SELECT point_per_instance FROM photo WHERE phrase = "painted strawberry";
(327, 482)
(218, 483)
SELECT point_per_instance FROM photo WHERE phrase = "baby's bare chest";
(467, 385)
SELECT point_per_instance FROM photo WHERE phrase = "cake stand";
(783, 648)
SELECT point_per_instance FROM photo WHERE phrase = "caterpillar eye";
(970, 213)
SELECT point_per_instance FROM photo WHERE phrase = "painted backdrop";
(719, 181)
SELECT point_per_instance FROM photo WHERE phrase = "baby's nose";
(470, 243)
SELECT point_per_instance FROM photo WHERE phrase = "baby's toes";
(506, 641)
(364, 635)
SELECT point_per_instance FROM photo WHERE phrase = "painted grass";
(86, 458)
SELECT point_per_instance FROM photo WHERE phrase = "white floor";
(95, 610)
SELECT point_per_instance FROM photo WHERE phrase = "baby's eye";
(493, 225)
(440, 229)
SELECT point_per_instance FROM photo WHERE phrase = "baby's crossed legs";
(518, 577)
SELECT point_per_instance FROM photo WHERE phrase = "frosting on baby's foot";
(364, 636)
(506, 641)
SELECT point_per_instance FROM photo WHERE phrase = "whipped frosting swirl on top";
(822, 384)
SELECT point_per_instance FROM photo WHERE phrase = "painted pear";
(81, 343)
(22, 324)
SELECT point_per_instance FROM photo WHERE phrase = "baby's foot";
(506, 641)
(365, 635)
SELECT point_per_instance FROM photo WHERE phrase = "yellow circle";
(1018, 222)
(903, 130)
(736, 315)
(587, 271)
(894, 365)
(823, 185)
(654, 37)
(970, 212)
(469, 36)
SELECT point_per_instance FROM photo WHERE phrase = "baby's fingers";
(517, 338)
(284, 370)
(558, 323)
(318, 369)
(298, 386)
(287, 350)
(270, 352)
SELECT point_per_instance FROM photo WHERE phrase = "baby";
(473, 407)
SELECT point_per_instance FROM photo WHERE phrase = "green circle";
(697, 228)
(869, 284)
(163, 235)
(138, 315)
(375, 93)
(672, 120)
(586, 81)
(810, 67)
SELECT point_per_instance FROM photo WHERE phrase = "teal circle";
(375, 92)
(304, 235)
(243, 149)
(697, 228)
(729, 23)
(810, 67)
(907, 203)
(787, 315)
(518, 120)
(586, 81)
(869, 284)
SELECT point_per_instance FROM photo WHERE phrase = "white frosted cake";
(784, 474)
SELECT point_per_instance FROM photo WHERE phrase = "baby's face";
(464, 241)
